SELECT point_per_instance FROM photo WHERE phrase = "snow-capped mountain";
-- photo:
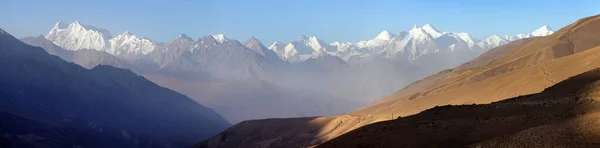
(269, 56)
(420, 41)
(425, 40)
(406, 45)
(492, 41)
(341, 46)
(381, 39)
(220, 38)
(431, 31)
(76, 36)
(277, 47)
(257, 46)
(303, 48)
(209, 57)
(127, 43)
(467, 39)
(542, 31)
(416, 42)
(410, 45)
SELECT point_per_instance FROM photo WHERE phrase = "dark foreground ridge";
(564, 115)
(47, 102)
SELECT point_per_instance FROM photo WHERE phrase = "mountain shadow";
(48, 102)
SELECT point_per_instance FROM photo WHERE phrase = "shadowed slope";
(87, 58)
(560, 116)
(54, 103)
(235, 100)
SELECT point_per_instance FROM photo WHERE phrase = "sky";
(285, 20)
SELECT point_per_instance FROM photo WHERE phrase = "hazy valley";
(77, 85)
(247, 80)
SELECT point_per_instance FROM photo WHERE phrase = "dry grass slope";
(561, 116)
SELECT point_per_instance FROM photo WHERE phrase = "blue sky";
(284, 20)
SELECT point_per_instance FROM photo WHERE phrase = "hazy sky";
(284, 20)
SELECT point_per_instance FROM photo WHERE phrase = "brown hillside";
(561, 116)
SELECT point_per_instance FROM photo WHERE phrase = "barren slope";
(561, 116)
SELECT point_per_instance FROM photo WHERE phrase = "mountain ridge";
(64, 105)
(299, 50)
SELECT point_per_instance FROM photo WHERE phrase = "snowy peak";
(289, 51)
(414, 27)
(126, 34)
(431, 31)
(220, 38)
(60, 25)
(542, 31)
(254, 43)
(492, 41)
(253, 40)
(419, 33)
(494, 38)
(312, 42)
(256, 46)
(381, 39)
(342, 46)
(520, 36)
(276, 45)
(76, 36)
(127, 43)
(425, 30)
(384, 35)
(208, 40)
(347, 43)
(184, 37)
(304, 47)
(78, 25)
(429, 27)
(467, 39)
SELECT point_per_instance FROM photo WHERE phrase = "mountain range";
(413, 43)
(357, 73)
(48, 102)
